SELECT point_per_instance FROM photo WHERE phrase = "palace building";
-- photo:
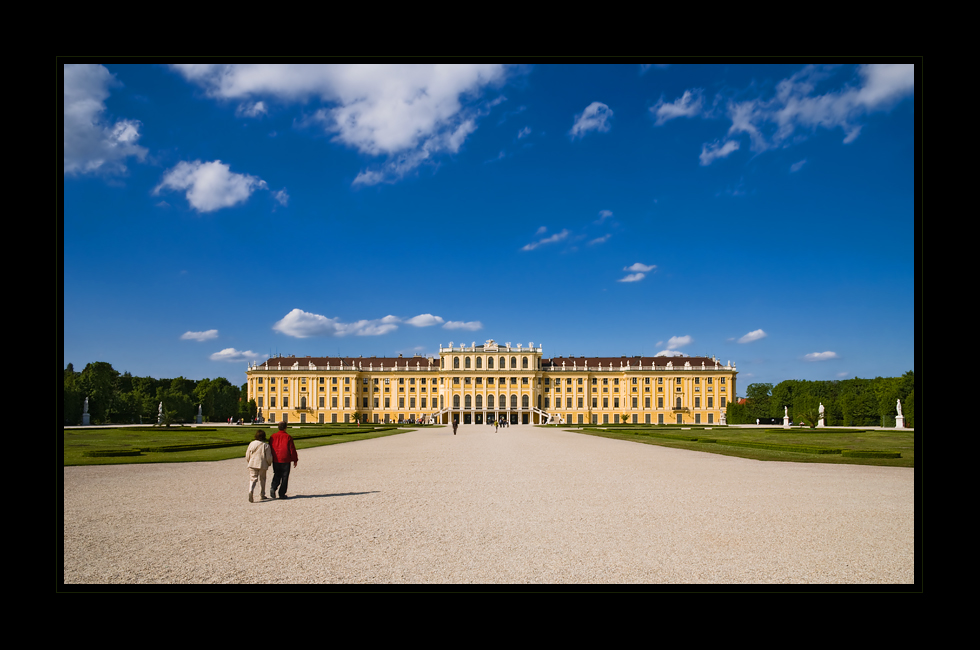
(479, 384)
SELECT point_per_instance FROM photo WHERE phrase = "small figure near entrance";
(455, 424)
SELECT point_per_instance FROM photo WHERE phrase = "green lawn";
(81, 440)
(895, 440)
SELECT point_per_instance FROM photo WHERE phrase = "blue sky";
(764, 214)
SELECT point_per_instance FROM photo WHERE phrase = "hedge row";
(871, 453)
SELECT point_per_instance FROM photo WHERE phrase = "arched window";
(539, 401)
(525, 401)
(513, 401)
(302, 402)
(524, 363)
(503, 362)
(442, 363)
(513, 362)
(455, 401)
(503, 402)
(489, 401)
(490, 363)
(479, 362)
(469, 403)
(467, 363)
(678, 402)
(479, 401)
(456, 363)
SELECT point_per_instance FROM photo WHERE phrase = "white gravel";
(522, 506)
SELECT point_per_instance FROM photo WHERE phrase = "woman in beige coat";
(258, 458)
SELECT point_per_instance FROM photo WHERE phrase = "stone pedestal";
(786, 422)
(899, 422)
(820, 424)
(85, 419)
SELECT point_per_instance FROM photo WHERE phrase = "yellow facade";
(482, 383)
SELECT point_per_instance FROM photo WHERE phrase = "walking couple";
(279, 454)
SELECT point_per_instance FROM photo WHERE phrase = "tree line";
(115, 398)
(848, 402)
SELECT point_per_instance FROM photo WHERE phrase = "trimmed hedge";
(871, 453)
(109, 453)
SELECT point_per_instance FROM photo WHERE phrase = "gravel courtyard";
(521, 506)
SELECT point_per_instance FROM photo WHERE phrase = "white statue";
(898, 406)
(821, 410)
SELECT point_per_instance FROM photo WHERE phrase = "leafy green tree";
(759, 397)
(98, 383)
(72, 397)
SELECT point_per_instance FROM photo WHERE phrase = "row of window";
(468, 402)
(479, 363)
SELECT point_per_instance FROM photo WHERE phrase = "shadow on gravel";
(321, 496)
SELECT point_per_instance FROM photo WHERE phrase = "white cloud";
(251, 109)
(633, 277)
(821, 356)
(542, 230)
(301, 324)
(281, 197)
(688, 105)
(524, 132)
(210, 186)
(595, 117)
(710, 153)
(459, 325)
(199, 336)
(795, 167)
(753, 336)
(424, 320)
(600, 240)
(679, 341)
(547, 240)
(776, 122)
(408, 113)
(670, 353)
(231, 354)
(93, 144)
(603, 215)
(643, 268)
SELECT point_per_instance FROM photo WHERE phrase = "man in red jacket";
(283, 451)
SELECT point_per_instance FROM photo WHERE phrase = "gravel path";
(522, 506)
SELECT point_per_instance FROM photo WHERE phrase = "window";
(634, 402)
(302, 381)
(524, 380)
(272, 380)
(660, 380)
(260, 402)
(646, 403)
(364, 402)
(605, 381)
(633, 380)
(723, 402)
(660, 404)
(697, 402)
(579, 381)
(411, 402)
(568, 403)
(513, 362)
(455, 401)
(678, 402)
(711, 402)
(595, 402)
(479, 401)
(285, 402)
(503, 362)
(346, 380)
(490, 401)
(616, 382)
(479, 362)
(375, 402)
(709, 380)
(697, 380)
(466, 363)
(580, 400)
(456, 363)
(387, 402)
(722, 381)
(321, 402)
(469, 402)
(547, 402)
(260, 381)
(524, 362)
(401, 402)
(605, 402)
(346, 402)
(490, 363)
(513, 401)
(333, 402)
(423, 402)
(525, 401)
(615, 402)
(677, 381)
